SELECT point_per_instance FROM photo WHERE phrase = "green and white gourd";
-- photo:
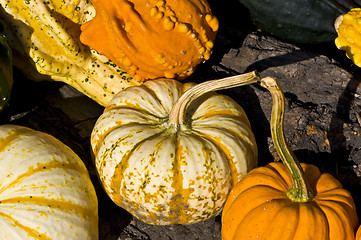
(44, 36)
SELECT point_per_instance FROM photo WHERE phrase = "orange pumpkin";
(358, 233)
(288, 201)
(152, 39)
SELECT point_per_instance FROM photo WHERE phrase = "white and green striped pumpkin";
(168, 156)
(45, 189)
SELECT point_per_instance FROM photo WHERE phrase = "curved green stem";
(299, 192)
(178, 113)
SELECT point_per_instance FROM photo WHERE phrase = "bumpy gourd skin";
(152, 39)
(44, 38)
(348, 28)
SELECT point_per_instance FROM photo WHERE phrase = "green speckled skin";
(44, 37)
(165, 173)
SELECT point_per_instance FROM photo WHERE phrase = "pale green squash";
(302, 21)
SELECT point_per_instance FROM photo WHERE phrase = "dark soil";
(322, 121)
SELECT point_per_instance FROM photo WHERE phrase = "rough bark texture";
(322, 122)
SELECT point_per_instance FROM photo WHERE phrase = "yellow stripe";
(179, 204)
(122, 166)
(14, 134)
(43, 167)
(65, 206)
(31, 232)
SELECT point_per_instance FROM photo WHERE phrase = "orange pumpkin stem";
(300, 191)
(177, 115)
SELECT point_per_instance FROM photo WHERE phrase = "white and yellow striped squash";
(45, 38)
(166, 173)
(45, 189)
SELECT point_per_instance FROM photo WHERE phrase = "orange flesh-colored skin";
(152, 39)
(358, 233)
(258, 208)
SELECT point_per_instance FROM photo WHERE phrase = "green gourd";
(300, 21)
(6, 72)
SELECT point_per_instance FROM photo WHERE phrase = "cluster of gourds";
(167, 152)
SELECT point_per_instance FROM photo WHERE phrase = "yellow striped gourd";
(169, 153)
(45, 189)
